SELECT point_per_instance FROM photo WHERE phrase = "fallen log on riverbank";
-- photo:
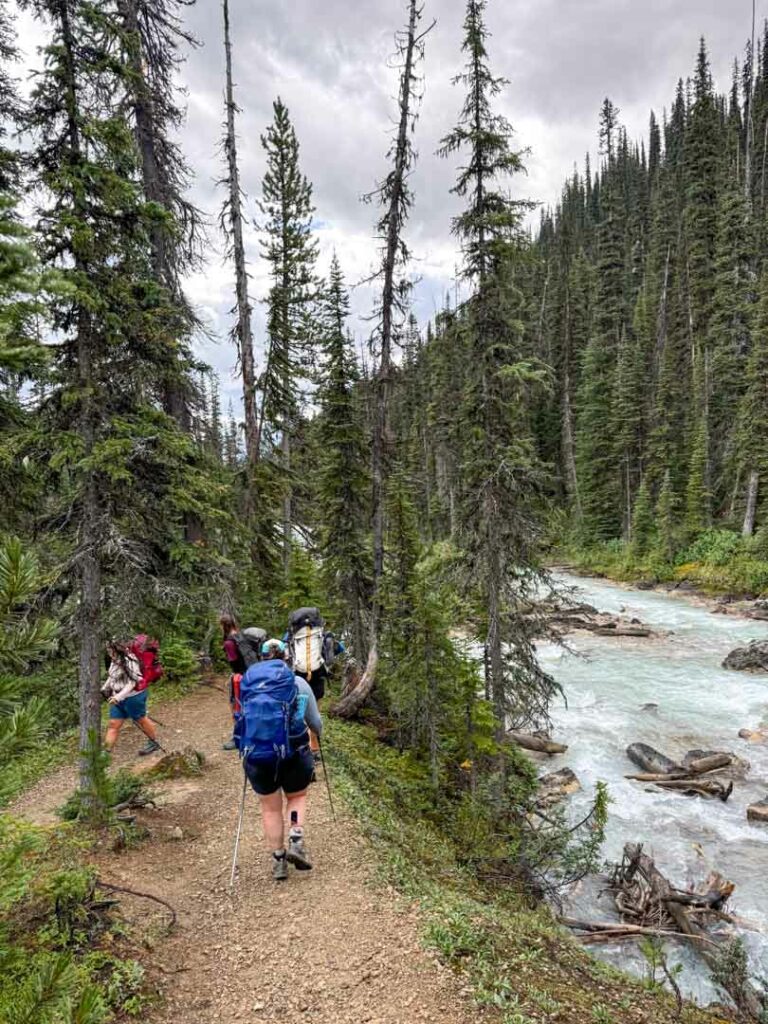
(536, 741)
(649, 904)
(698, 766)
(710, 789)
(692, 777)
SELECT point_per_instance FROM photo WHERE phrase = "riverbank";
(736, 584)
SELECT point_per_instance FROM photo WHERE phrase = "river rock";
(555, 786)
(646, 584)
(758, 812)
(752, 658)
(754, 735)
(651, 760)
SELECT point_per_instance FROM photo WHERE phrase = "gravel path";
(330, 946)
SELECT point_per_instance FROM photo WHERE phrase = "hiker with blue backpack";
(242, 648)
(278, 709)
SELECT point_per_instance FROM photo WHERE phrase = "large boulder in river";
(758, 812)
(651, 760)
(555, 786)
(752, 658)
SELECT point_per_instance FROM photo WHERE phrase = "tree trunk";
(285, 446)
(569, 445)
(244, 330)
(89, 566)
(751, 510)
(349, 705)
(383, 379)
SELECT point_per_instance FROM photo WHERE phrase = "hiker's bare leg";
(113, 731)
(272, 820)
(314, 744)
(297, 802)
(147, 726)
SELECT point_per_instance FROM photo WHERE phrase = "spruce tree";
(500, 475)
(290, 250)
(113, 457)
(666, 518)
(152, 41)
(643, 523)
(753, 422)
(344, 482)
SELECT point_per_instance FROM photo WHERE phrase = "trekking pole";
(327, 777)
(239, 830)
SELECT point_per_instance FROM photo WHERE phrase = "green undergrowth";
(719, 562)
(64, 955)
(516, 958)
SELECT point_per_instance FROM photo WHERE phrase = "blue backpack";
(268, 695)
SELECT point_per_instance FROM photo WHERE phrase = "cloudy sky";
(329, 61)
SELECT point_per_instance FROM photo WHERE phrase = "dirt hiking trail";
(331, 945)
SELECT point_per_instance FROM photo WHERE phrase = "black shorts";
(292, 775)
(317, 682)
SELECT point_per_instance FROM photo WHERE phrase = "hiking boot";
(297, 854)
(279, 867)
(229, 745)
(150, 748)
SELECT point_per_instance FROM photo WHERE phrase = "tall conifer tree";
(500, 473)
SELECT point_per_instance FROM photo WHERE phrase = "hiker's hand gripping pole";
(239, 830)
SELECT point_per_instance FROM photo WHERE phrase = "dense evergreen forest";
(601, 394)
(648, 303)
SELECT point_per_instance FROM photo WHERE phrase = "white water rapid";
(699, 705)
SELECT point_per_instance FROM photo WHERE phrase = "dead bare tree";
(231, 221)
(395, 197)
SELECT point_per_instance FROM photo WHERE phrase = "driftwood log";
(638, 875)
(690, 777)
(708, 788)
(650, 905)
(533, 741)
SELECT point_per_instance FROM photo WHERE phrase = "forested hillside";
(648, 300)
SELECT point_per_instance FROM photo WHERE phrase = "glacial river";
(700, 705)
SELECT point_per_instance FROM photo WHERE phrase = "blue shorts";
(134, 707)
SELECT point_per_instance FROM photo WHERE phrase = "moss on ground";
(518, 961)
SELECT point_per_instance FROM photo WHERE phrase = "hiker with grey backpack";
(277, 710)
(312, 650)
